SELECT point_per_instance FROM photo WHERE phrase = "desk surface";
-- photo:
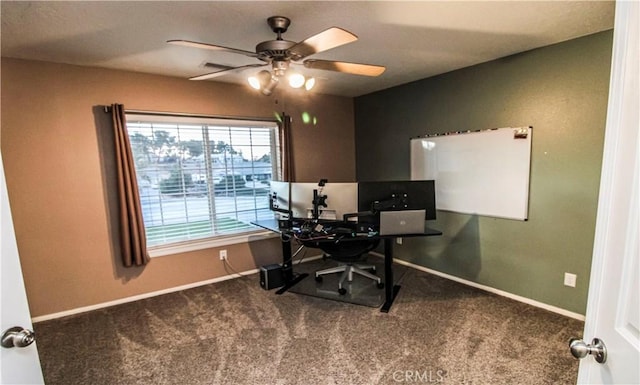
(268, 224)
(272, 225)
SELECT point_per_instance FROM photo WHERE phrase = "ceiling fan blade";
(325, 40)
(215, 74)
(195, 44)
(341, 66)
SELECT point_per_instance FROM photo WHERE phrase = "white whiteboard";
(482, 172)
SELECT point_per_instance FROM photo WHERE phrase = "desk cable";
(228, 264)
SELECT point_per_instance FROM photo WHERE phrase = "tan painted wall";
(57, 161)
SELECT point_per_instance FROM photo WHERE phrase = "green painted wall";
(560, 90)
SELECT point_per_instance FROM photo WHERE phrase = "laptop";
(402, 222)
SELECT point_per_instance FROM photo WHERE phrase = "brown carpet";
(233, 332)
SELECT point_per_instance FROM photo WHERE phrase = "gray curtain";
(286, 149)
(132, 233)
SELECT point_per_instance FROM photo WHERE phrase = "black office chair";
(348, 253)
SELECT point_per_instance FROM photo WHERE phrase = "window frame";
(215, 240)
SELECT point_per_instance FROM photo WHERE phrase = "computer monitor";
(279, 199)
(341, 198)
(398, 195)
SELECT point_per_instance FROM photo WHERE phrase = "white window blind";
(202, 177)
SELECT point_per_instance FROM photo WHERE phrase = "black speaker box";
(271, 276)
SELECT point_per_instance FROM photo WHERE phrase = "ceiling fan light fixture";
(296, 80)
(309, 83)
(254, 82)
(273, 83)
(260, 80)
(265, 81)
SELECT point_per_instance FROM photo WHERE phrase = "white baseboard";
(103, 305)
(490, 289)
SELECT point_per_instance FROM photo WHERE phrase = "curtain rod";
(189, 115)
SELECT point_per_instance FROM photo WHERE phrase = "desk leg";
(391, 290)
(290, 279)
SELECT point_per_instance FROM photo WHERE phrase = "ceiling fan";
(280, 53)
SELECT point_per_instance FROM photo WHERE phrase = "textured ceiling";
(414, 40)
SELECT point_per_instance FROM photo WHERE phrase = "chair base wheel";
(342, 291)
(319, 278)
(380, 285)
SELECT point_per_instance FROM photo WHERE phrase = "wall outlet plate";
(570, 279)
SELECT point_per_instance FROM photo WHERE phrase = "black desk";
(391, 290)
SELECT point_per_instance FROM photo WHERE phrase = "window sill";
(209, 243)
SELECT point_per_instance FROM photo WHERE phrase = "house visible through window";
(202, 177)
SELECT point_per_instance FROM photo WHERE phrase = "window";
(202, 177)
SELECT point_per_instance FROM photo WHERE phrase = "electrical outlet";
(399, 240)
(570, 279)
(223, 255)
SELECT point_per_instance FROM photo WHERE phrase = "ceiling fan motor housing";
(274, 50)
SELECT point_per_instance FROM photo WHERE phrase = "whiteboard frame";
(484, 172)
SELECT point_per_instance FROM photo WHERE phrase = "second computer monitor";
(341, 198)
(398, 195)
